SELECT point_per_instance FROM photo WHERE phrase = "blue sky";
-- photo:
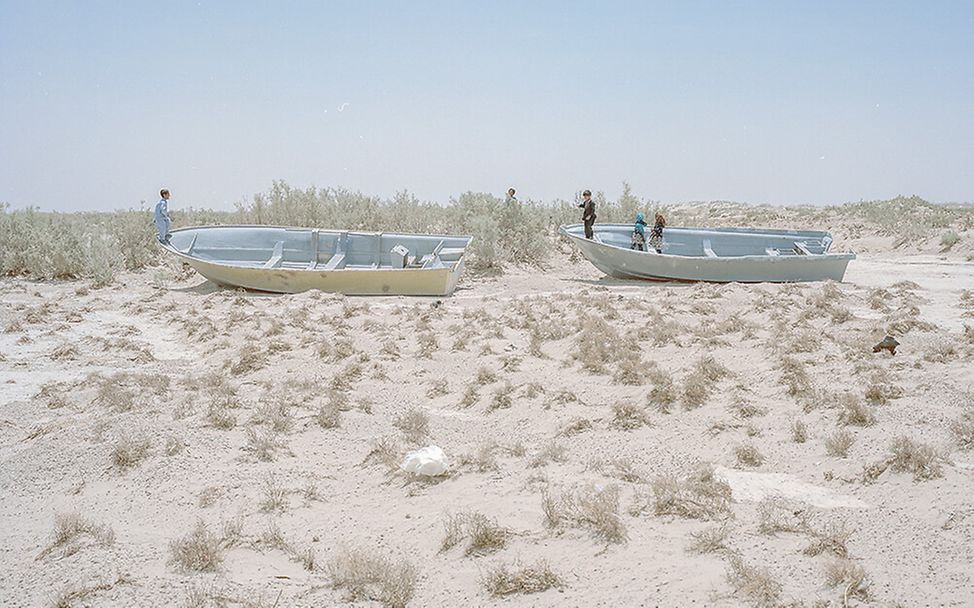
(103, 103)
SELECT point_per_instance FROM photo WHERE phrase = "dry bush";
(337, 350)
(831, 540)
(385, 451)
(922, 460)
(438, 388)
(367, 575)
(838, 443)
(71, 594)
(485, 375)
(65, 352)
(470, 396)
(745, 410)
(274, 495)
(589, 507)
(500, 579)
(575, 426)
(219, 416)
(755, 585)
(551, 452)
(710, 540)
(620, 468)
(799, 432)
(696, 390)
(197, 551)
(627, 416)
(794, 376)
(483, 535)
(700, 496)
(747, 455)
(630, 371)
(663, 394)
(208, 496)
(69, 527)
(114, 394)
(849, 576)
(414, 424)
(501, 399)
(129, 451)
(275, 411)
(329, 415)
(250, 359)
(173, 446)
(775, 514)
(484, 459)
(263, 443)
(963, 430)
(855, 412)
(427, 344)
(940, 351)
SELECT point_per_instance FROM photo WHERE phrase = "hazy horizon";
(102, 104)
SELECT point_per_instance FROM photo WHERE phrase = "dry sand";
(196, 358)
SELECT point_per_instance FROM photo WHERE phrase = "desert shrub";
(263, 443)
(838, 443)
(794, 376)
(909, 456)
(710, 540)
(197, 551)
(502, 397)
(775, 514)
(848, 575)
(700, 496)
(855, 412)
(663, 394)
(748, 455)
(551, 452)
(627, 416)
(367, 575)
(502, 579)
(414, 424)
(830, 540)
(948, 240)
(128, 451)
(799, 432)
(273, 495)
(590, 507)
(69, 527)
(755, 585)
(963, 430)
(483, 534)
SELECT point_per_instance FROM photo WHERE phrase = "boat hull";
(289, 260)
(623, 263)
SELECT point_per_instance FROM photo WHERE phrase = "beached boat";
(719, 255)
(291, 260)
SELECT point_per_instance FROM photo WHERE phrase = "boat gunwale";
(454, 264)
(564, 231)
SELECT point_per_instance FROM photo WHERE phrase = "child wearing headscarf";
(656, 234)
(639, 233)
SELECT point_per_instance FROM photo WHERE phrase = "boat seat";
(276, 257)
(802, 249)
(708, 250)
(450, 251)
(335, 262)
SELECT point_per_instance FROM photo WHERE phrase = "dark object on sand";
(889, 343)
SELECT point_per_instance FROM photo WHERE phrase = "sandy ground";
(226, 389)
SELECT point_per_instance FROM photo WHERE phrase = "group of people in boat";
(639, 239)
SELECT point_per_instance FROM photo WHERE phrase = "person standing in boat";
(639, 233)
(162, 219)
(588, 212)
(656, 234)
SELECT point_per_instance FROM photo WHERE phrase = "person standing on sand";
(639, 233)
(588, 212)
(511, 200)
(162, 219)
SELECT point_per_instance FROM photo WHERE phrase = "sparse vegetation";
(748, 456)
(364, 574)
(483, 534)
(501, 579)
(838, 443)
(700, 496)
(755, 585)
(627, 416)
(68, 530)
(414, 424)
(710, 539)
(590, 507)
(799, 432)
(198, 551)
(128, 451)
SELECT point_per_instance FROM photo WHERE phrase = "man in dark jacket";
(588, 212)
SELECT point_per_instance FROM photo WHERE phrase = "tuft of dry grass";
(551, 452)
(794, 376)
(385, 451)
(700, 496)
(501, 579)
(198, 551)
(838, 443)
(920, 459)
(754, 584)
(483, 534)
(849, 576)
(367, 575)
(855, 412)
(590, 507)
(329, 415)
(71, 594)
(263, 443)
(628, 416)
(69, 527)
(274, 495)
(748, 455)
(251, 359)
(129, 451)
(484, 459)
(710, 540)
(830, 540)
(414, 424)
(963, 430)
(775, 514)
(799, 432)
(501, 399)
(663, 394)
(575, 426)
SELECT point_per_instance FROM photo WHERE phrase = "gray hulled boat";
(290, 260)
(718, 255)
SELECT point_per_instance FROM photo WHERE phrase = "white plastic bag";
(429, 461)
